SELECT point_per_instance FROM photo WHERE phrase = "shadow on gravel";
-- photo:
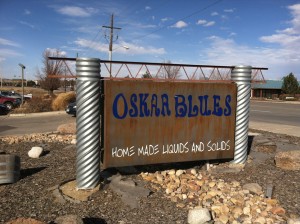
(44, 153)
(30, 171)
(250, 141)
(94, 221)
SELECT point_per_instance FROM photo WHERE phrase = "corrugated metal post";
(88, 122)
(241, 75)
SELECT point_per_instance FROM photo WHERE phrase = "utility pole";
(1, 78)
(111, 27)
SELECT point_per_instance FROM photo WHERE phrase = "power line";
(188, 16)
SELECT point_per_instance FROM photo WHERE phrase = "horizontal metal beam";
(154, 63)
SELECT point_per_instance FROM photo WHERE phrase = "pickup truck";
(10, 102)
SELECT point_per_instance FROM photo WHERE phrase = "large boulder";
(289, 160)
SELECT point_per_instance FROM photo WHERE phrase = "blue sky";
(261, 33)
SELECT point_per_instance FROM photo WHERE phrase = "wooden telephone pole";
(111, 27)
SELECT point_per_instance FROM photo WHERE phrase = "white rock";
(74, 141)
(260, 220)
(246, 210)
(35, 152)
(198, 215)
(294, 221)
(179, 172)
(193, 171)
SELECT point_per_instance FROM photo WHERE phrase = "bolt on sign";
(151, 121)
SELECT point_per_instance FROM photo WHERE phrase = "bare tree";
(169, 71)
(49, 70)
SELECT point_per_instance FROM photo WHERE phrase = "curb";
(275, 101)
(37, 114)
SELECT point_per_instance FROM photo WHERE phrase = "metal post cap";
(88, 68)
(241, 74)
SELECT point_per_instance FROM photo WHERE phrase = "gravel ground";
(32, 196)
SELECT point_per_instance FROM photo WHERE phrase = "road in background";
(282, 118)
(276, 117)
(33, 123)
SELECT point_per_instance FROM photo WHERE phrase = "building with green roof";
(267, 89)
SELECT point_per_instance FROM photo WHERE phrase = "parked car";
(10, 102)
(13, 94)
(71, 108)
(3, 109)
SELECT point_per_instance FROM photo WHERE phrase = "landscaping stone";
(294, 221)
(74, 141)
(128, 189)
(35, 152)
(253, 188)
(198, 215)
(289, 160)
(227, 202)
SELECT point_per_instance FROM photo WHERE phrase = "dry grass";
(62, 100)
(35, 105)
(34, 91)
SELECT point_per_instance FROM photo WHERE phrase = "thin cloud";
(229, 10)
(27, 12)
(133, 48)
(141, 50)
(75, 11)
(27, 24)
(54, 51)
(91, 44)
(280, 61)
(7, 53)
(180, 24)
(214, 14)
(147, 8)
(210, 23)
(6, 42)
(165, 19)
(201, 22)
(288, 38)
(205, 23)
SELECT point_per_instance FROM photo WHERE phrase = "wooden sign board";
(150, 122)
